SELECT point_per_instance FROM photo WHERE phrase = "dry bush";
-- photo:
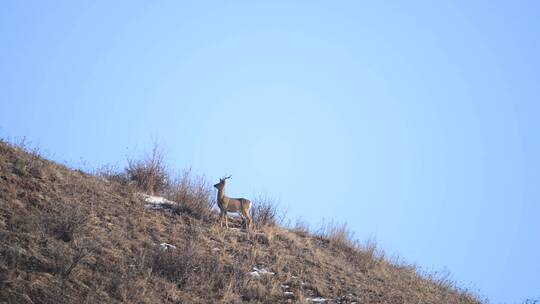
(130, 279)
(175, 264)
(341, 238)
(150, 173)
(337, 234)
(192, 193)
(194, 269)
(32, 165)
(257, 290)
(60, 261)
(65, 260)
(300, 227)
(265, 212)
(62, 224)
(113, 174)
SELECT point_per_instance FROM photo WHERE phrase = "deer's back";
(234, 204)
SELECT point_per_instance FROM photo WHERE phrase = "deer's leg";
(249, 219)
(221, 219)
(246, 218)
(244, 222)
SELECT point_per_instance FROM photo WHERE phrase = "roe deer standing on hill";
(226, 204)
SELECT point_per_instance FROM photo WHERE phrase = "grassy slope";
(66, 236)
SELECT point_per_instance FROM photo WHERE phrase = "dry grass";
(193, 193)
(265, 212)
(113, 174)
(150, 173)
(64, 223)
(68, 237)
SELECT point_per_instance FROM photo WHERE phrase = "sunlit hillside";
(68, 236)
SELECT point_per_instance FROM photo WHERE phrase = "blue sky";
(417, 123)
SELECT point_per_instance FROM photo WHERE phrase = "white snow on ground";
(156, 202)
(288, 293)
(317, 300)
(166, 246)
(257, 272)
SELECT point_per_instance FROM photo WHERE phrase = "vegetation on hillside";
(68, 236)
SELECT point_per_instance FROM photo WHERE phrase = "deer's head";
(221, 183)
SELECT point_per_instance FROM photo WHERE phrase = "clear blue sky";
(417, 124)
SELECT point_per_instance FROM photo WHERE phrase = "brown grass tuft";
(193, 195)
(150, 173)
(64, 223)
(265, 212)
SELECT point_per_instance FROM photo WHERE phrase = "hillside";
(67, 236)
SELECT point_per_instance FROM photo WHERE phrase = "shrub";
(192, 193)
(149, 174)
(112, 174)
(64, 223)
(341, 238)
(191, 267)
(338, 234)
(67, 259)
(264, 212)
(300, 227)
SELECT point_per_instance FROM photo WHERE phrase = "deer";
(226, 204)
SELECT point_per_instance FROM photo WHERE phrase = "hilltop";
(67, 236)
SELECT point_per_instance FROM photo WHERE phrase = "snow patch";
(257, 272)
(317, 300)
(166, 246)
(156, 202)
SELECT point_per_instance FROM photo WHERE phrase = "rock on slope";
(67, 236)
